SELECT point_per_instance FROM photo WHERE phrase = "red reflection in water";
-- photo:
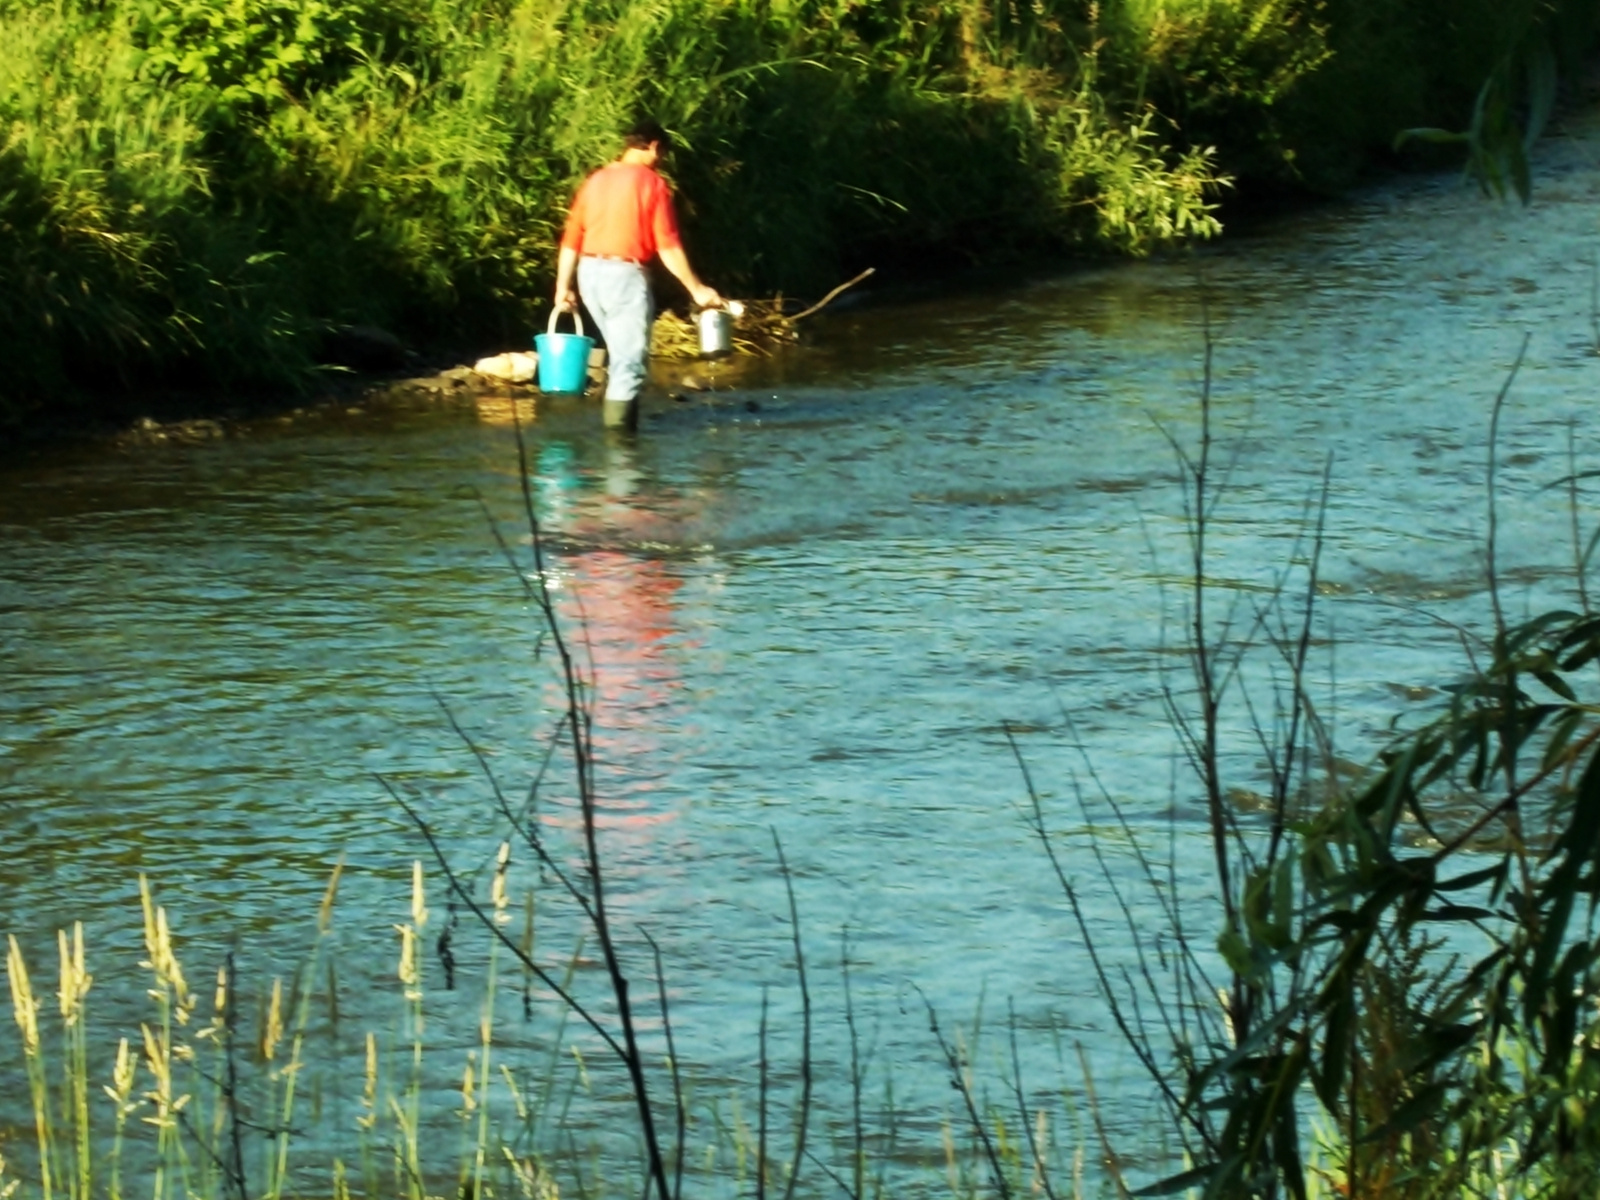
(618, 609)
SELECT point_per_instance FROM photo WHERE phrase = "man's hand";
(706, 296)
(567, 301)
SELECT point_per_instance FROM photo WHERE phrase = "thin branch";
(1494, 515)
(829, 298)
(1302, 650)
(1137, 1042)
(958, 1080)
(230, 1031)
(465, 897)
(859, 1162)
(680, 1112)
(1022, 1108)
(805, 1023)
(832, 1174)
(761, 1105)
(580, 721)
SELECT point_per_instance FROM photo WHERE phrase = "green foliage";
(1512, 108)
(1222, 70)
(255, 53)
(1140, 196)
(1398, 64)
(1412, 959)
(206, 187)
(1496, 1055)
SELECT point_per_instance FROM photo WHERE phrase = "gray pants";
(617, 295)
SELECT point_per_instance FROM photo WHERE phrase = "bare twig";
(580, 723)
(230, 1034)
(1297, 664)
(1039, 1166)
(831, 296)
(832, 1174)
(680, 1112)
(761, 1105)
(858, 1158)
(461, 892)
(528, 831)
(958, 1080)
(1138, 1043)
(805, 1024)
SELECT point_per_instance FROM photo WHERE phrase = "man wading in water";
(622, 218)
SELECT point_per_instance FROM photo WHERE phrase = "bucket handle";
(577, 321)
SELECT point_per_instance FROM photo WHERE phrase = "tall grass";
(188, 1109)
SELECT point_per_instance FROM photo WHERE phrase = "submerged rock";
(363, 348)
(514, 366)
(147, 431)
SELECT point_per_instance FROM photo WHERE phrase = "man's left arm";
(676, 261)
(669, 245)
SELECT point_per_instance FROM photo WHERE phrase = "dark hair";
(642, 133)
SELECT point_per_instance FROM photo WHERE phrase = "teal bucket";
(563, 357)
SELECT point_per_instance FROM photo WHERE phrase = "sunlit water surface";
(812, 605)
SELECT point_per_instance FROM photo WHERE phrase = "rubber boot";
(621, 414)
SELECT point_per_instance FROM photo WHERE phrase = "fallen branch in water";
(832, 296)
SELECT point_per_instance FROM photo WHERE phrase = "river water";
(811, 603)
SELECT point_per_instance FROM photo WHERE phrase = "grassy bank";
(198, 193)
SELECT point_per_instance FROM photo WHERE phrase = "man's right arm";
(566, 294)
(571, 247)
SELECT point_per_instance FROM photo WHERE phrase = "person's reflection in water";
(618, 610)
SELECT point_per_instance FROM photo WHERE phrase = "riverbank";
(197, 200)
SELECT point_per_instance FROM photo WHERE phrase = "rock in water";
(514, 366)
(364, 348)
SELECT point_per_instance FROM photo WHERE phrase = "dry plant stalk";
(759, 331)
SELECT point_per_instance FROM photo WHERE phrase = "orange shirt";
(623, 210)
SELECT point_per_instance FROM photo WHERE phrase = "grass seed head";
(469, 1086)
(419, 907)
(162, 961)
(75, 978)
(498, 892)
(122, 1078)
(409, 975)
(369, 1091)
(23, 1002)
(273, 1033)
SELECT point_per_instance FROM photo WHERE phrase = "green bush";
(206, 189)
